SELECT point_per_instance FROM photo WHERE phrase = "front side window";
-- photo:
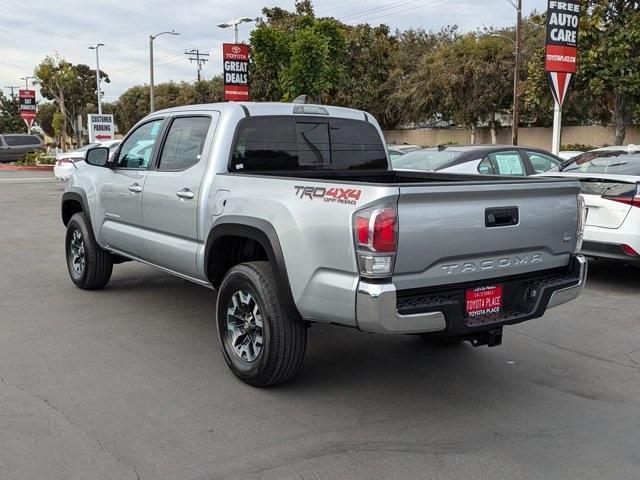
(137, 148)
(485, 167)
(306, 143)
(542, 163)
(507, 163)
(184, 144)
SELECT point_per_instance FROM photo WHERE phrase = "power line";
(378, 9)
(199, 57)
(12, 88)
(403, 10)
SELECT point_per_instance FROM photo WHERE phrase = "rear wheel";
(89, 265)
(260, 343)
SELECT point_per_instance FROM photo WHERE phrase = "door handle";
(185, 193)
(135, 188)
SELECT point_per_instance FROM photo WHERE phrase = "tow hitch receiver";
(490, 338)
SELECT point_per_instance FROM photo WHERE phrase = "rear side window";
(615, 162)
(306, 143)
(185, 141)
(31, 140)
(507, 163)
(13, 140)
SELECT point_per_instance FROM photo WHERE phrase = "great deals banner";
(235, 58)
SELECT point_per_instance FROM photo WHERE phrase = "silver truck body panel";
(443, 238)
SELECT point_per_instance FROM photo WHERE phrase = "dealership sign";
(27, 106)
(235, 58)
(563, 19)
(101, 127)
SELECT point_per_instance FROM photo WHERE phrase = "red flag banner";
(563, 20)
(235, 58)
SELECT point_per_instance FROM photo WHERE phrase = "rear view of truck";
(459, 260)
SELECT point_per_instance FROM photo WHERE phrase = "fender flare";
(265, 234)
(76, 195)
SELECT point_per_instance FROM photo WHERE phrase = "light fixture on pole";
(26, 82)
(151, 39)
(234, 22)
(96, 47)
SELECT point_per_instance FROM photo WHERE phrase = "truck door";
(171, 197)
(121, 190)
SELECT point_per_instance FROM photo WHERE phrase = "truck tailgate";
(447, 233)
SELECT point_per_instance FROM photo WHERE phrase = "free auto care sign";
(563, 19)
(236, 71)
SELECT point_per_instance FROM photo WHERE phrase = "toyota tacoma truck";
(292, 214)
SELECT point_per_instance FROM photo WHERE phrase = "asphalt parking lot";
(129, 382)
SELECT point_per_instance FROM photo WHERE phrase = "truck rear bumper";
(380, 308)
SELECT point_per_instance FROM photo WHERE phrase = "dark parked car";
(482, 159)
(14, 146)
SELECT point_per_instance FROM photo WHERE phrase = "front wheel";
(89, 265)
(260, 343)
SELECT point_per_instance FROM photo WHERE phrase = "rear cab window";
(281, 143)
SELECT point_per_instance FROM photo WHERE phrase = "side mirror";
(97, 156)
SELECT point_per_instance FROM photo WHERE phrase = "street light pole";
(151, 93)
(96, 47)
(516, 77)
(234, 22)
(26, 82)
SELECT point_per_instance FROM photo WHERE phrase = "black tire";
(97, 264)
(279, 344)
(443, 340)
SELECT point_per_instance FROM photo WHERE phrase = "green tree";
(72, 87)
(467, 80)
(610, 56)
(10, 121)
(133, 104)
(44, 117)
(295, 53)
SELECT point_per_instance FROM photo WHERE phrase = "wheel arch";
(74, 201)
(254, 230)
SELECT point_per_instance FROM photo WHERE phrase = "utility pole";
(96, 47)
(151, 93)
(516, 74)
(12, 88)
(199, 58)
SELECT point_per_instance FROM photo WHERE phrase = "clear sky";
(30, 30)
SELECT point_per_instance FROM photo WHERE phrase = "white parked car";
(569, 154)
(610, 179)
(65, 161)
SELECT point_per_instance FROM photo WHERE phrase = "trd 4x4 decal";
(329, 194)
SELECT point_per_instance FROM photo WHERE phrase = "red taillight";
(375, 232)
(629, 250)
(375, 229)
(362, 230)
(633, 201)
(384, 231)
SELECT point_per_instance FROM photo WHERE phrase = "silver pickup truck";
(292, 214)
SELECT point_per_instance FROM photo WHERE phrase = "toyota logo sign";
(236, 49)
